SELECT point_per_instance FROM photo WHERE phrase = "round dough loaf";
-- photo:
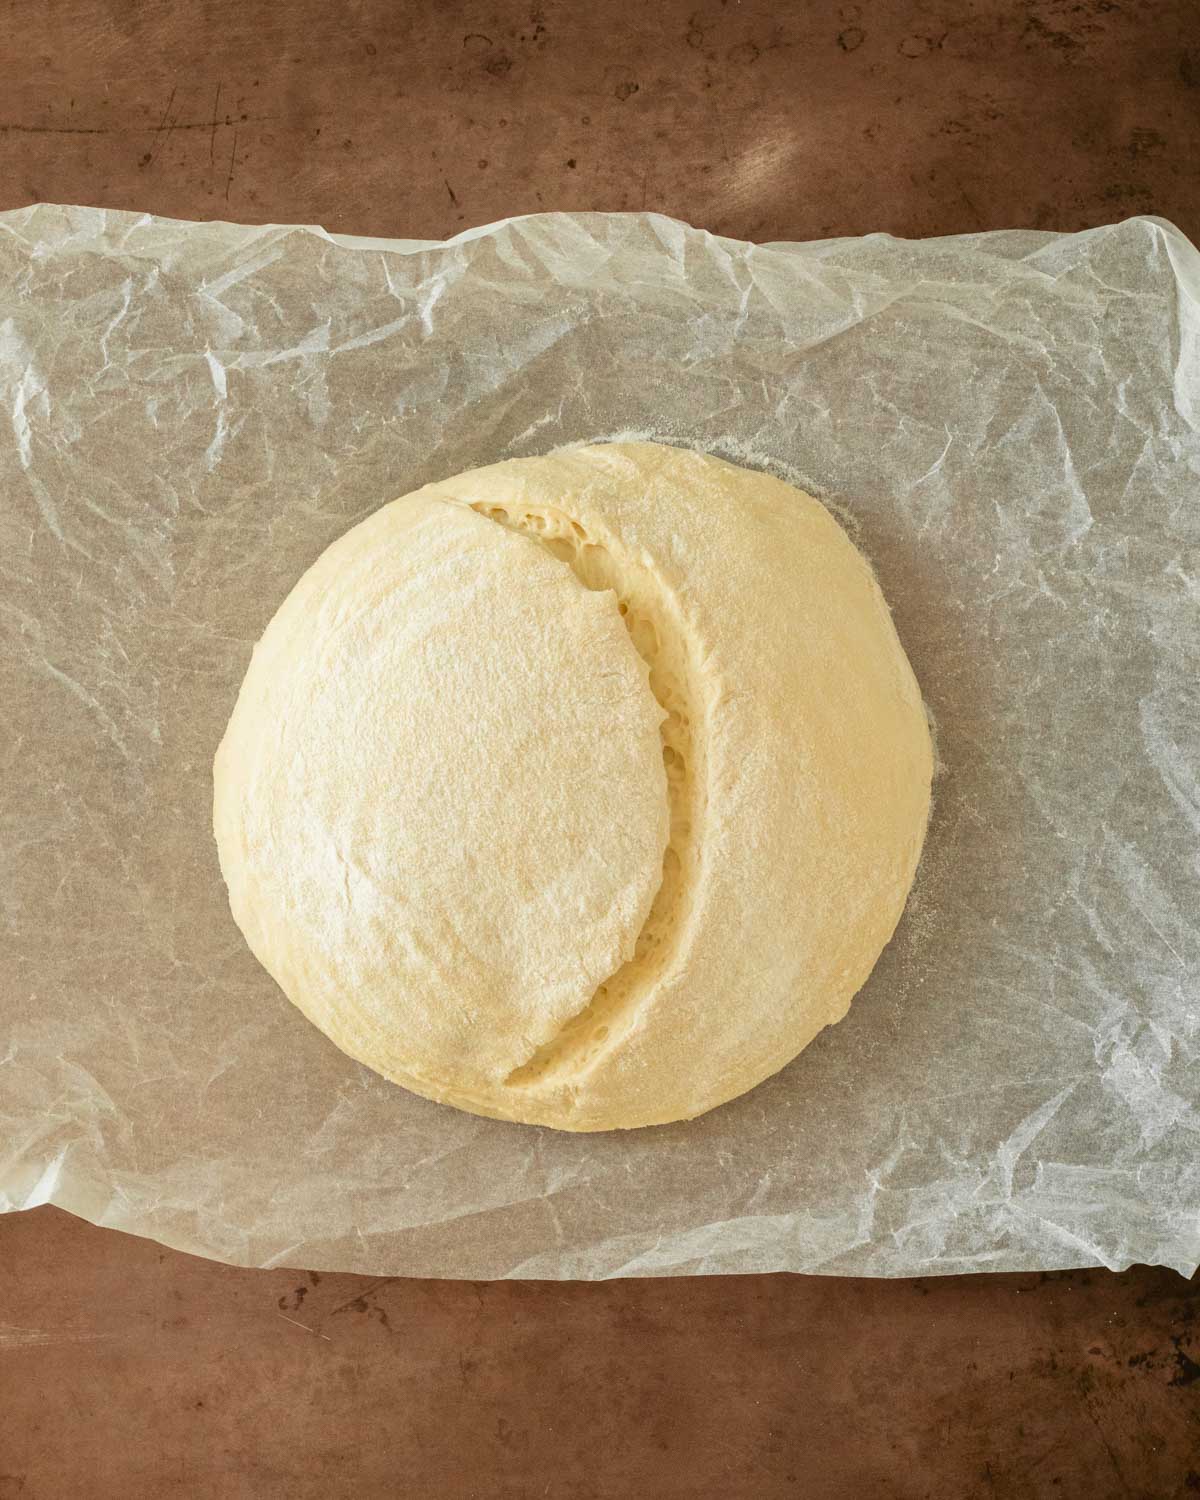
(581, 790)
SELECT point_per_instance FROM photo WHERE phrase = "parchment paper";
(190, 413)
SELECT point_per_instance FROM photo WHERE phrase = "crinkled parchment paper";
(190, 413)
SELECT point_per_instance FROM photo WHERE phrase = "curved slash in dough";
(658, 633)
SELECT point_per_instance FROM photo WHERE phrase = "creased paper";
(1008, 422)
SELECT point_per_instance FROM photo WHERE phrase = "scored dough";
(581, 790)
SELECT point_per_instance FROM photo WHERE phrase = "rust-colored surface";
(767, 119)
(129, 1371)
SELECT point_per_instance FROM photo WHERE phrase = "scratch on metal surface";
(305, 1326)
(12, 1337)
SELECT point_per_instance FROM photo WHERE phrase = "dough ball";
(580, 790)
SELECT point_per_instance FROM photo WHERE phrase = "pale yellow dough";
(580, 790)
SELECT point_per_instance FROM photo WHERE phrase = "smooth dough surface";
(581, 790)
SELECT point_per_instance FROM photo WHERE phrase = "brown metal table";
(127, 1370)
